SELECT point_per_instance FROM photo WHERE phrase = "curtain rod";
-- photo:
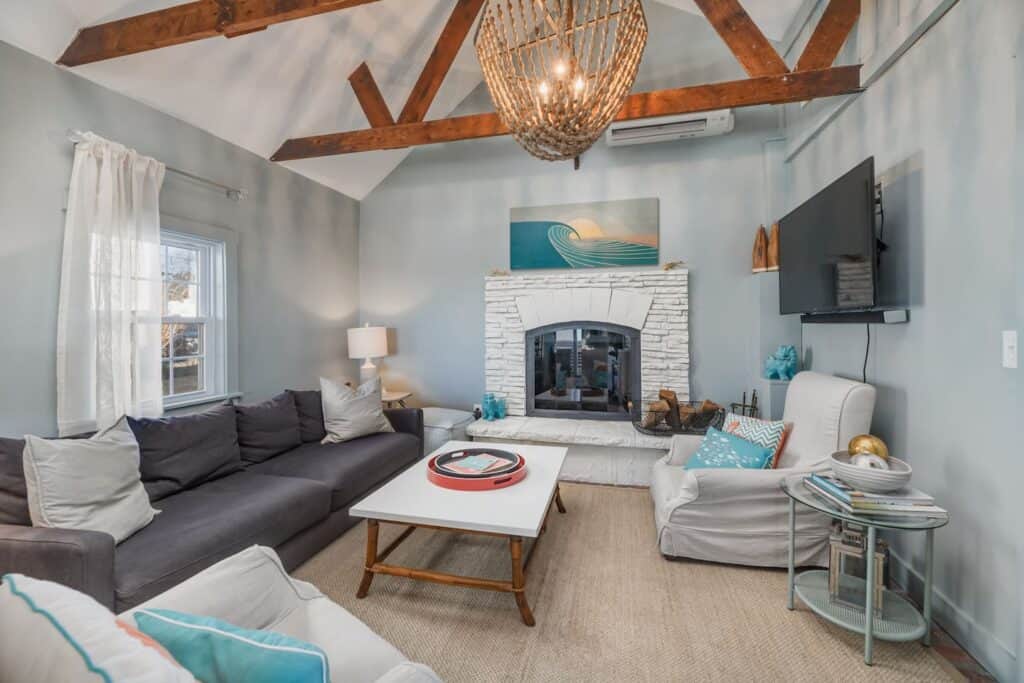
(234, 193)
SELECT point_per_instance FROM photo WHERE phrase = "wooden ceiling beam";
(188, 22)
(440, 61)
(782, 89)
(744, 38)
(370, 99)
(829, 35)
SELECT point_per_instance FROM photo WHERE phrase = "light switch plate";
(1010, 349)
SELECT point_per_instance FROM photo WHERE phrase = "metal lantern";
(848, 550)
(559, 70)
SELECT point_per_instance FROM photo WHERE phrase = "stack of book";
(481, 463)
(907, 502)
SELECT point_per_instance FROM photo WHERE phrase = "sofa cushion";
(50, 632)
(767, 433)
(826, 412)
(203, 525)
(267, 429)
(217, 651)
(184, 451)
(350, 469)
(722, 450)
(261, 595)
(13, 495)
(90, 484)
(310, 407)
(350, 413)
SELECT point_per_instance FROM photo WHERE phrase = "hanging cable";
(867, 350)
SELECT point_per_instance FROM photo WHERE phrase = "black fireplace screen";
(582, 369)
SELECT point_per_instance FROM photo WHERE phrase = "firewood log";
(651, 419)
(708, 406)
(673, 408)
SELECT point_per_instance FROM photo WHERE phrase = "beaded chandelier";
(559, 70)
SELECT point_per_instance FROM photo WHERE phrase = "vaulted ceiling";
(291, 80)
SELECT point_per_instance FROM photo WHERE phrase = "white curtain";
(108, 321)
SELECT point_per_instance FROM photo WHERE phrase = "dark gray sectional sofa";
(223, 480)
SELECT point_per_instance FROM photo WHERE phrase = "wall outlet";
(1010, 349)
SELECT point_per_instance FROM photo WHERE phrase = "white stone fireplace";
(654, 302)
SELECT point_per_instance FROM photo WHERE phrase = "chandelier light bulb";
(578, 84)
(544, 88)
(560, 68)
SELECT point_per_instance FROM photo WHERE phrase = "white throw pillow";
(350, 413)
(91, 484)
(50, 633)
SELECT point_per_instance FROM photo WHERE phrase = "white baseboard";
(981, 643)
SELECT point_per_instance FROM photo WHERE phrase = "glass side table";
(900, 621)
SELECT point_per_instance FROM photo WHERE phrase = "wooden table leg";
(519, 580)
(372, 531)
(558, 500)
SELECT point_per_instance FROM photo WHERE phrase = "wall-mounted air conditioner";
(659, 129)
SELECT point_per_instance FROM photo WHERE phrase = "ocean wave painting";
(592, 235)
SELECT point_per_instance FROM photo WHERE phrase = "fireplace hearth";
(583, 369)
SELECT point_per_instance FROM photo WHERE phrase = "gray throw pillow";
(183, 451)
(351, 413)
(89, 484)
(267, 429)
(310, 407)
(13, 496)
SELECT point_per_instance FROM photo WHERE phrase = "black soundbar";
(888, 317)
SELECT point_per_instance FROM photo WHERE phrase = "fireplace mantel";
(655, 302)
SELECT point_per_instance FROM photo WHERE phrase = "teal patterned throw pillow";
(722, 450)
(768, 433)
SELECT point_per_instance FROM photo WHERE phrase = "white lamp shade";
(367, 342)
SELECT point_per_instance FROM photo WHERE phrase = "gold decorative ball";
(866, 443)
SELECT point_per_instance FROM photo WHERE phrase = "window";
(193, 358)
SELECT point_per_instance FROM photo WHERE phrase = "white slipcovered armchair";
(742, 516)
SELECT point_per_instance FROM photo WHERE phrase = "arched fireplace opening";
(583, 369)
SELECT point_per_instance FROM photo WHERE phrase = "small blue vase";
(501, 408)
(489, 407)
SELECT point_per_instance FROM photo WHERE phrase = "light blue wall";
(942, 127)
(1019, 252)
(432, 231)
(298, 283)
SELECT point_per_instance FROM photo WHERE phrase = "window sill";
(201, 400)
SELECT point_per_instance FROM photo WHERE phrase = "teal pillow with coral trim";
(215, 651)
(721, 450)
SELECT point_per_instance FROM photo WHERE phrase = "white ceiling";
(289, 81)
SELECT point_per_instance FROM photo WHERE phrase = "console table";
(900, 620)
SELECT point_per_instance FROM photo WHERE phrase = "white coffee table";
(517, 512)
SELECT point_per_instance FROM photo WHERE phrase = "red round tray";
(498, 481)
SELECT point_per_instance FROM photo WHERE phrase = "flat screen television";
(828, 250)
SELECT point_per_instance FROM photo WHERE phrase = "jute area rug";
(608, 607)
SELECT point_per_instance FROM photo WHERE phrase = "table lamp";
(368, 343)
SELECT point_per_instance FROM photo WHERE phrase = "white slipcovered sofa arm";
(682, 447)
(714, 486)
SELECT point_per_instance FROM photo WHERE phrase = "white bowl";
(871, 480)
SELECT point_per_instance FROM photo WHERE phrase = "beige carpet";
(608, 608)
